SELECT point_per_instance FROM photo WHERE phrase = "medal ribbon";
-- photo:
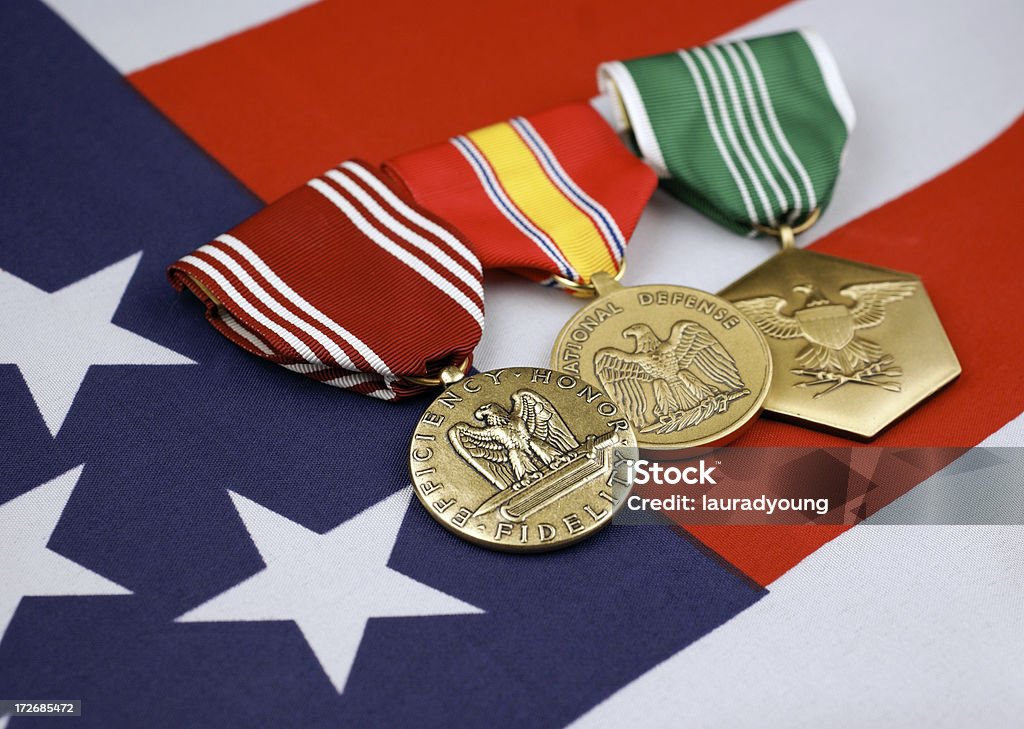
(748, 132)
(345, 282)
(553, 193)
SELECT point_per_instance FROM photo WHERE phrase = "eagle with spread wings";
(513, 444)
(674, 383)
(830, 329)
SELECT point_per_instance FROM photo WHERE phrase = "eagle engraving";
(672, 384)
(835, 354)
(514, 447)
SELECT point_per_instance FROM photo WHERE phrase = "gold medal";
(521, 458)
(687, 367)
(855, 346)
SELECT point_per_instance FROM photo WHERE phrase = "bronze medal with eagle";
(522, 458)
(855, 346)
(687, 367)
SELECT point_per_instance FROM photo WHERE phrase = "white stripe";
(133, 35)
(306, 368)
(614, 79)
(270, 301)
(349, 381)
(426, 223)
(812, 198)
(730, 134)
(381, 394)
(569, 187)
(756, 112)
(709, 117)
(493, 189)
(830, 73)
(410, 236)
(367, 229)
(286, 292)
(730, 84)
(293, 341)
(886, 626)
(234, 325)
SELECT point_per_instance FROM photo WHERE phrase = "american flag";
(190, 536)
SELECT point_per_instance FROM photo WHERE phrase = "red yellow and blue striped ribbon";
(555, 193)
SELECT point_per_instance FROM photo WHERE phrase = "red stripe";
(279, 103)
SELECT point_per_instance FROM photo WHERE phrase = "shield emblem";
(829, 325)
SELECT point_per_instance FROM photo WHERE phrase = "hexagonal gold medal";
(854, 346)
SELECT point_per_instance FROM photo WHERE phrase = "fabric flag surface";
(194, 536)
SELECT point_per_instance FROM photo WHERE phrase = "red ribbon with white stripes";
(346, 282)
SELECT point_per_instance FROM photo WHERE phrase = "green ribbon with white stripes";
(746, 132)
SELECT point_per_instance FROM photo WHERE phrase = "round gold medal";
(687, 368)
(522, 459)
